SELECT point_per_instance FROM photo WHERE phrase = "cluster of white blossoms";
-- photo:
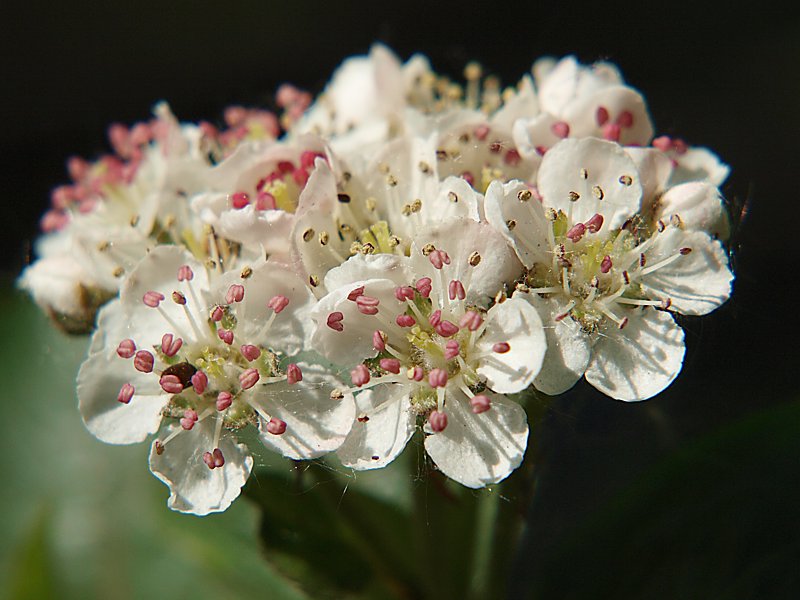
(403, 253)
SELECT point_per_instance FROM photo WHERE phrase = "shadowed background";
(692, 494)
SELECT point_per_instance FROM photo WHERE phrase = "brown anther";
(391, 180)
(367, 248)
(665, 304)
(337, 394)
(313, 280)
(343, 198)
(463, 138)
(134, 220)
(323, 238)
(524, 195)
(424, 167)
(394, 241)
(642, 260)
(371, 203)
(416, 205)
(574, 196)
(584, 174)
(452, 196)
(597, 192)
(675, 221)
(685, 251)
(211, 264)
(345, 228)
(500, 297)
(474, 259)
(118, 272)
(511, 223)
(246, 272)
(472, 71)
(521, 287)
(159, 447)
(362, 419)
(103, 246)
(347, 176)
(308, 234)
(355, 248)
(625, 179)
(383, 168)
(550, 214)
(660, 226)
(626, 277)
(406, 210)
(441, 155)
(178, 298)
(427, 249)
(623, 323)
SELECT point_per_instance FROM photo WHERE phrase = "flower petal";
(478, 450)
(640, 360)
(384, 426)
(194, 488)
(516, 323)
(699, 206)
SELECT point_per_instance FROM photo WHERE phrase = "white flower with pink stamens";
(423, 346)
(582, 101)
(200, 356)
(601, 275)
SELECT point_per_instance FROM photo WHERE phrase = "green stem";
(483, 548)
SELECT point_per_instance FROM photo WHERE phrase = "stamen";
(437, 378)
(178, 298)
(185, 273)
(293, 374)
(379, 340)
(451, 349)
(576, 232)
(189, 419)
(217, 314)
(560, 129)
(565, 314)
(276, 426)
(438, 421)
(353, 296)
(424, 287)
(439, 258)
(248, 378)
(125, 393)
(360, 375)
(170, 345)
(250, 352)
(472, 320)
(456, 290)
(126, 348)
(435, 318)
(392, 365)
(226, 335)
(405, 320)
(367, 305)
(152, 299)
(446, 328)
(480, 404)
(171, 384)
(403, 293)
(501, 347)
(143, 361)
(224, 400)
(602, 116)
(278, 303)
(334, 321)
(235, 294)
(595, 223)
(199, 382)
(415, 373)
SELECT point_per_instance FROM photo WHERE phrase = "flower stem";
(483, 548)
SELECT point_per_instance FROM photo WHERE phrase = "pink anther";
(663, 143)
(611, 132)
(512, 158)
(126, 348)
(77, 168)
(576, 232)
(560, 129)
(468, 177)
(226, 335)
(240, 200)
(235, 293)
(417, 373)
(308, 157)
(189, 419)
(501, 347)
(405, 320)
(276, 426)
(278, 303)
(367, 305)
(360, 375)
(378, 340)
(199, 382)
(438, 421)
(456, 290)
(208, 458)
(170, 344)
(439, 258)
(606, 264)
(214, 460)
(152, 299)
(224, 400)
(248, 378)
(265, 201)
(171, 384)
(125, 393)
(250, 352)
(481, 132)
(424, 286)
(335, 321)
(300, 177)
(392, 365)
(352, 296)
(471, 320)
(451, 349)
(185, 273)
(680, 146)
(403, 293)
(602, 116)
(178, 298)
(625, 119)
(480, 404)
(293, 374)
(595, 223)
(143, 361)
(437, 378)
(217, 314)
(446, 328)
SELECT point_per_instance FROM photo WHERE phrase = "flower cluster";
(401, 254)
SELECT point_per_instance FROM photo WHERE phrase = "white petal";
(316, 424)
(460, 238)
(640, 360)
(386, 423)
(362, 267)
(655, 169)
(99, 382)
(568, 348)
(267, 229)
(582, 114)
(532, 136)
(610, 175)
(521, 105)
(699, 206)
(194, 488)
(697, 282)
(478, 450)
(699, 164)
(517, 323)
(529, 235)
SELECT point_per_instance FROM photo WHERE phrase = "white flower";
(580, 101)
(601, 276)
(423, 345)
(199, 359)
(692, 163)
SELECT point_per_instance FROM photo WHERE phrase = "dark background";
(693, 494)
